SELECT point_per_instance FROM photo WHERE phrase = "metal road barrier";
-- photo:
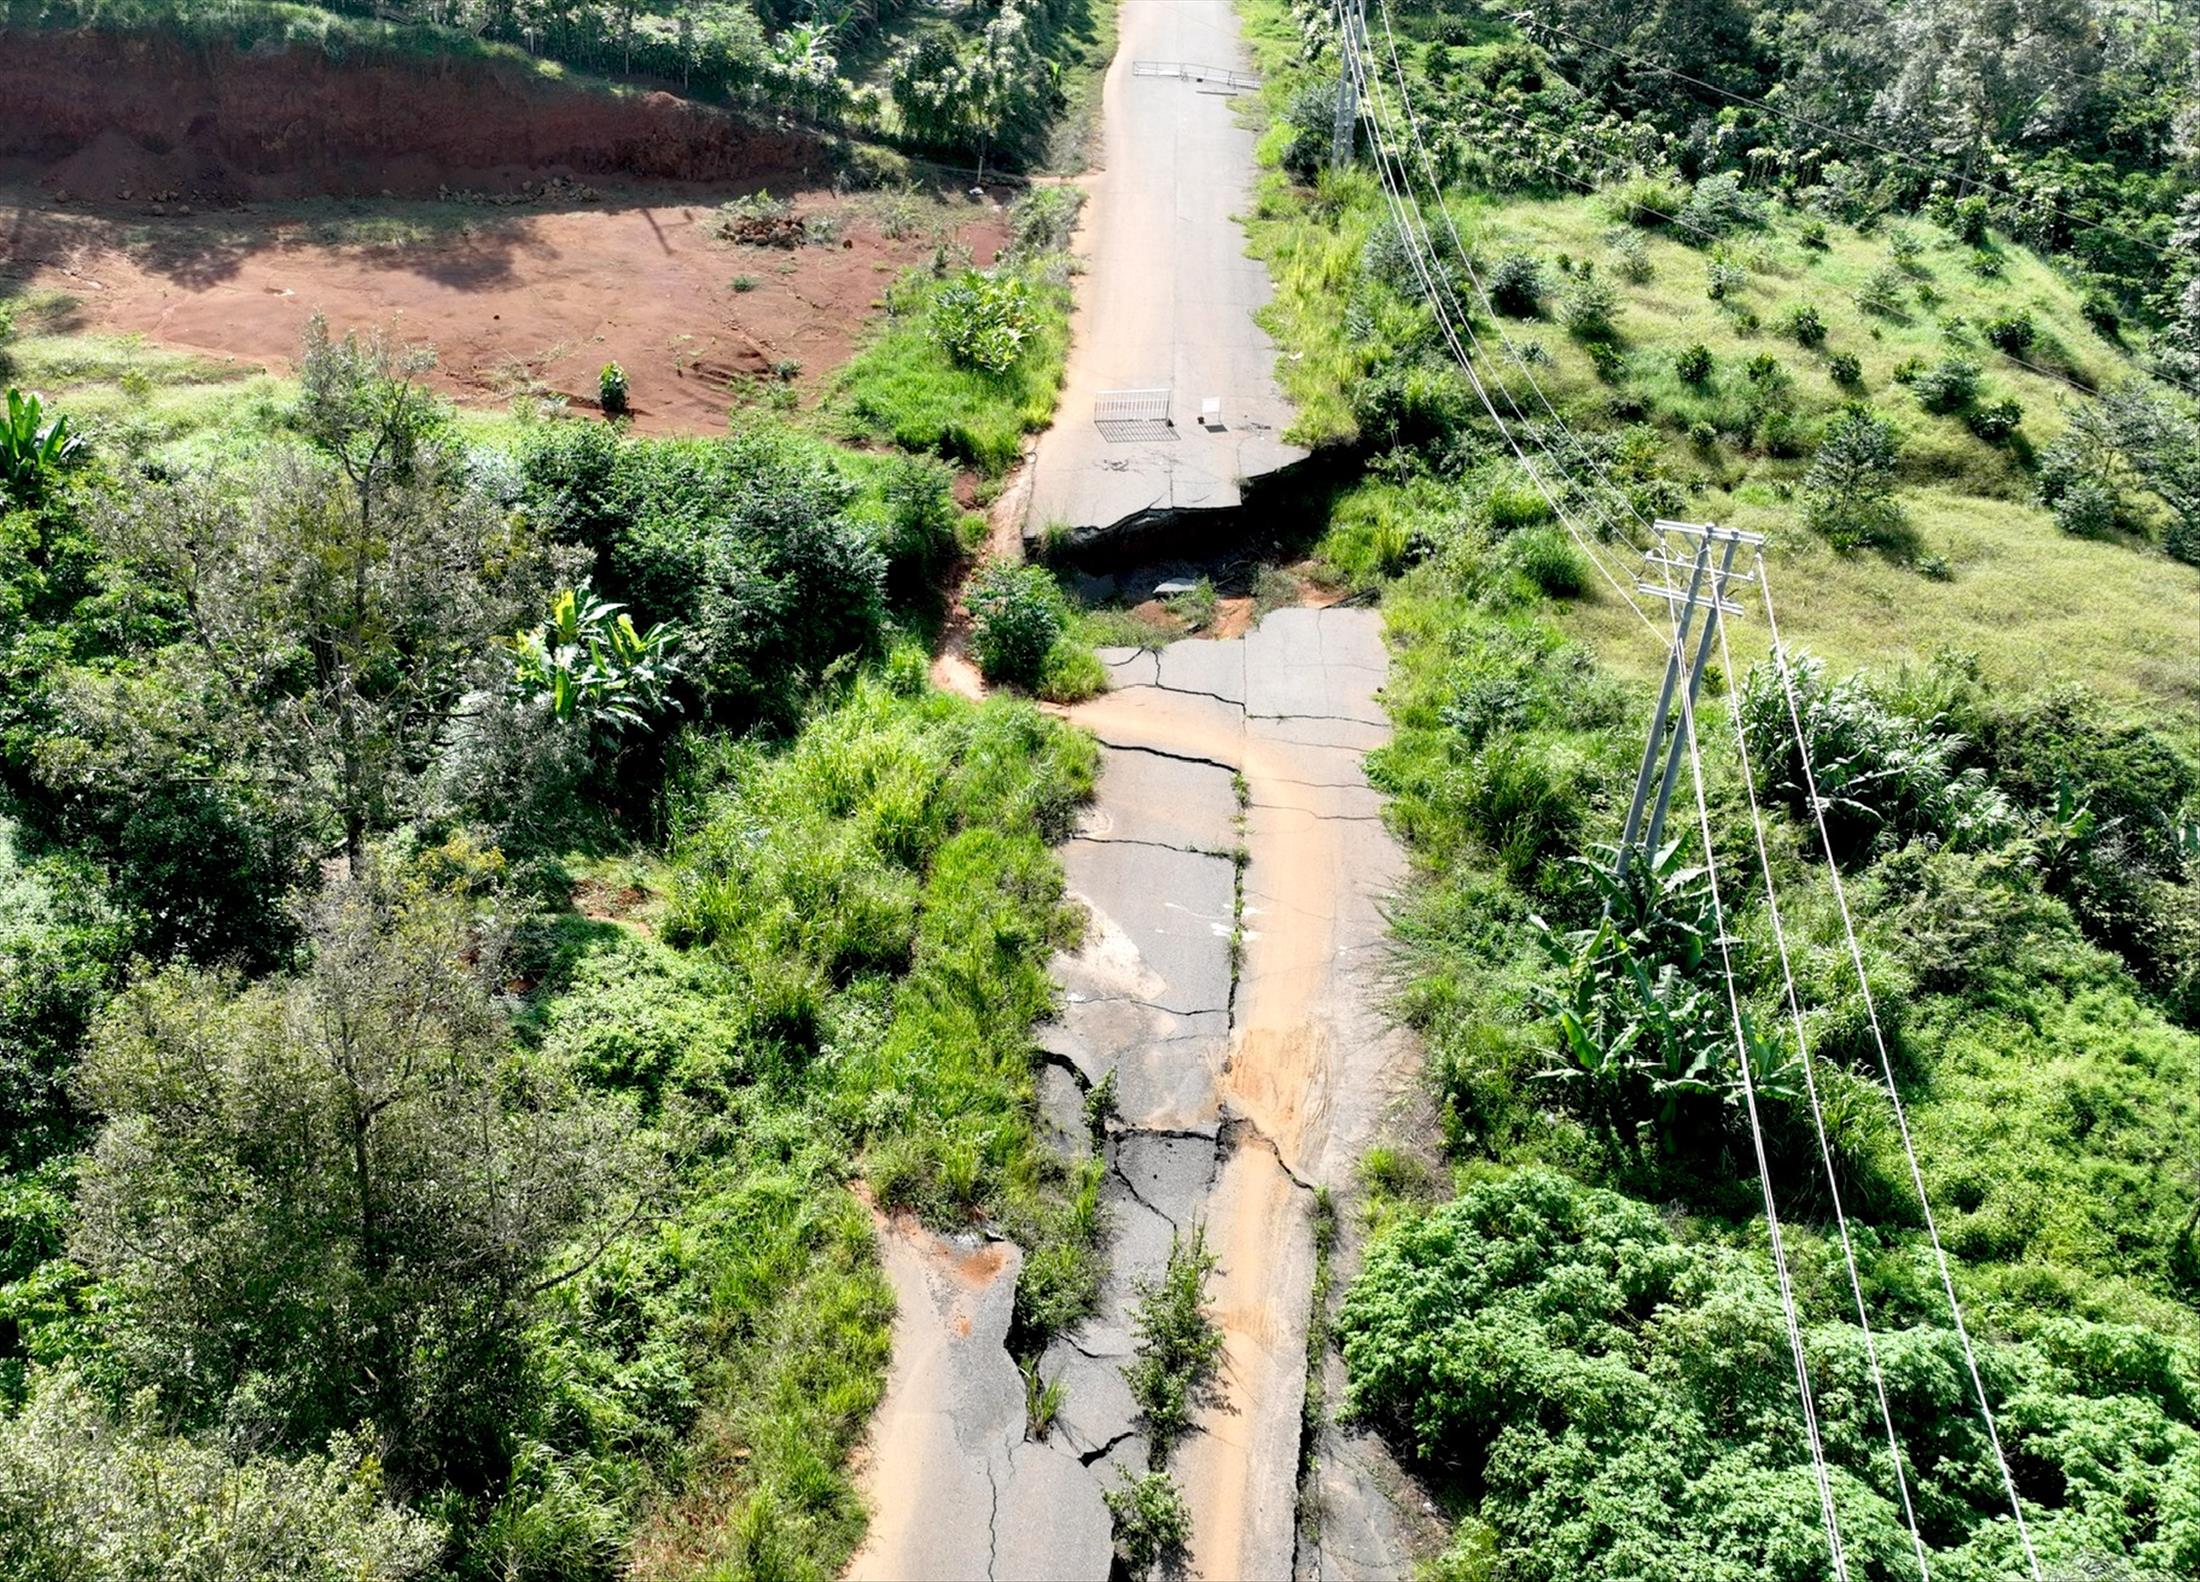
(1122, 415)
(1192, 73)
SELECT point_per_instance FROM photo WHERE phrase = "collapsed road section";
(1233, 865)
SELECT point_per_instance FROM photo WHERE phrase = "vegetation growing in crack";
(1179, 1345)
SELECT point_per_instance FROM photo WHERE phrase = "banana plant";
(33, 449)
(595, 668)
(1644, 1037)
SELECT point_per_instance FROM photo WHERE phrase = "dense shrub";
(1882, 777)
(1994, 421)
(1589, 309)
(1414, 404)
(82, 1495)
(982, 319)
(1719, 204)
(1947, 386)
(1517, 286)
(1805, 325)
(1883, 293)
(745, 542)
(1016, 615)
(1724, 279)
(1849, 492)
(1557, 1345)
(2011, 332)
(1630, 258)
(1846, 369)
(1693, 364)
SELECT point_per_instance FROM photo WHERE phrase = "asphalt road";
(1167, 296)
(1238, 1004)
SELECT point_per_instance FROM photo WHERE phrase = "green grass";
(2033, 603)
(854, 937)
(2048, 1082)
(903, 388)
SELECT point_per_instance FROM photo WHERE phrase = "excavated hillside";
(94, 114)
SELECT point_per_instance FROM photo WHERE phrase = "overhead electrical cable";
(1886, 1070)
(1417, 238)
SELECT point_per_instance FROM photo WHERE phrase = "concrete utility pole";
(1344, 129)
(1706, 555)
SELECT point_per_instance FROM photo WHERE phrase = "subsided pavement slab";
(949, 1436)
(1238, 1084)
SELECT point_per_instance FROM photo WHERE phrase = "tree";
(1849, 492)
(337, 1197)
(343, 601)
(86, 1497)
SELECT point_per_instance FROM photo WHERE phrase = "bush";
(1884, 293)
(1846, 368)
(1968, 219)
(1016, 614)
(1179, 1344)
(981, 320)
(1807, 328)
(1312, 119)
(1648, 203)
(1724, 279)
(1848, 493)
(2089, 507)
(1153, 1525)
(1905, 246)
(84, 1496)
(918, 536)
(1948, 386)
(1693, 364)
(1885, 778)
(611, 390)
(1546, 556)
(1589, 309)
(1517, 286)
(2010, 332)
(1631, 258)
(1995, 421)
(1720, 204)
(1419, 404)
(1812, 234)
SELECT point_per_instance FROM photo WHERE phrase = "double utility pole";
(1690, 570)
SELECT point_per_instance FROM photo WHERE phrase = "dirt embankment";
(104, 114)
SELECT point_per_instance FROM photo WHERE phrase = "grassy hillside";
(1577, 1336)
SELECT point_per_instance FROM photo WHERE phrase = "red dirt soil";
(182, 193)
(85, 108)
(510, 300)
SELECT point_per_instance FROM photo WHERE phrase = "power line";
(1817, 1112)
(1757, 1140)
(1592, 188)
(1416, 239)
(1886, 1067)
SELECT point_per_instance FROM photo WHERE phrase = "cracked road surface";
(1167, 296)
(1236, 1090)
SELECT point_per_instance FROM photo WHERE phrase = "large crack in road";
(1233, 866)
